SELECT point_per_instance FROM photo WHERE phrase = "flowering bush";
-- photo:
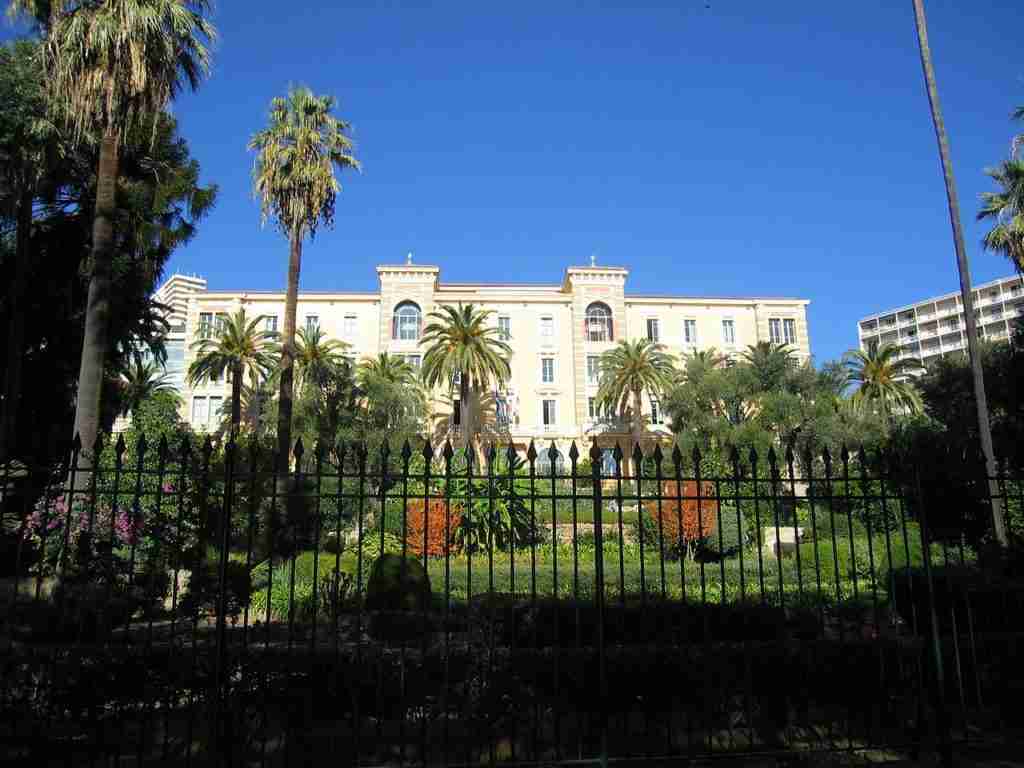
(431, 520)
(684, 516)
(81, 531)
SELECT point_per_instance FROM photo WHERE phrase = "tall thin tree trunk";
(16, 328)
(984, 429)
(236, 400)
(638, 424)
(466, 414)
(97, 314)
(286, 391)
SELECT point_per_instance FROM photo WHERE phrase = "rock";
(397, 584)
(783, 540)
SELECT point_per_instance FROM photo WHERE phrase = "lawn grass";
(842, 572)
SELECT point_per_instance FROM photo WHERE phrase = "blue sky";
(729, 147)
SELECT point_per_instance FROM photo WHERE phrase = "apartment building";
(935, 327)
(557, 333)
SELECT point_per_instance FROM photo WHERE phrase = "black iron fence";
(187, 604)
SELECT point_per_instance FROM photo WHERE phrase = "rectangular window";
(592, 407)
(690, 332)
(505, 328)
(593, 369)
(456, 413)
(270, 323)
(348, 328)
(547, 370)
(775, 330)
(656, 416)
(1015, 290)
(220, 323)
(175, 364)
(312, 323)
(548, 412)
(652, 329)
(200, 413)
(215, 406)
(547, 329)
(789, 330)
(729, 332)
(205, 324)
(414, 360)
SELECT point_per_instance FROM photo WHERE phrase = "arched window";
(543, 465)
(405, 325)
(598, 323)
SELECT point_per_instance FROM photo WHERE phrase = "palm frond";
(296, 157)
(110, 64)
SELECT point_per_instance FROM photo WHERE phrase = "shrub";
(853, 556)
(431, 522)
(494, 514)
(732, 535)
(685, 519)
(203, 592)
(397, 584)
(839, 520)
(987, 597)
(293, 593)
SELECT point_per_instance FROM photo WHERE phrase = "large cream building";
(557, 333)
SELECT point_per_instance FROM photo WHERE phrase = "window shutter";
(611, 328)
(394, 326)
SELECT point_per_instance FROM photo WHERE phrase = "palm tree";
(880, 379)
(317, 358)
(462, 345)
(141, 378)
(980, 399)
(293, 175)
(628, 370)
(254, 397)
(1006, 209)
(109, 65)
(389, 386)
(240, 348)
(770, 364)
(390, 368)
(707, 359)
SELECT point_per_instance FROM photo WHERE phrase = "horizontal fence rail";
(203, 604)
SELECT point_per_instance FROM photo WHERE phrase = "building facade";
(934, 327)
(557, 333)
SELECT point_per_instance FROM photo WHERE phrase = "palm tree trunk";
(285, 393)
(97, 313)
(984, 429)
(466, 413)
(236, 401)
(16, 328)
(638, 423)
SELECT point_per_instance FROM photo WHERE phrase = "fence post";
(221, 712)
(943, 724)
(595, 472)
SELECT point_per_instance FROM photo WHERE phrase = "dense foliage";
(160, 202)
(766, 400)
